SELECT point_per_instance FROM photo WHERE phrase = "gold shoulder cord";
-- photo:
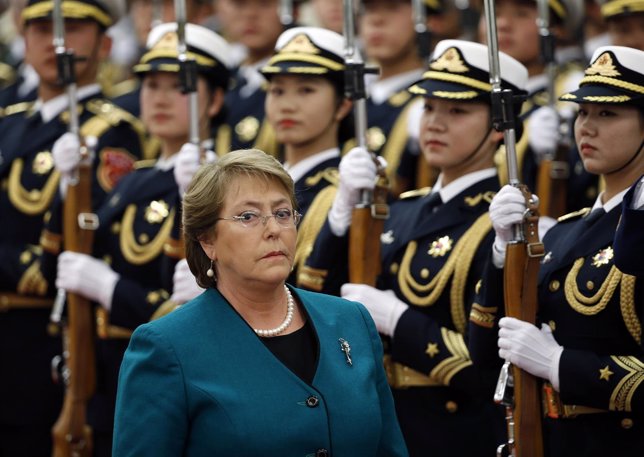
(138, 254)
(312, 224)
(392, 152)
(457, 265)
(627, 306)
(31, 202)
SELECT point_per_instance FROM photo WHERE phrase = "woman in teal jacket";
(253, 366)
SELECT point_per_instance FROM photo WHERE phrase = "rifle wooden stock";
(71, 434)
(520, 295)
(551, 184)
(364, 247)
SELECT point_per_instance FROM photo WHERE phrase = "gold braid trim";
(622, 395)
(396, 142)
(31, 202)
(589, 306)
(627, 306)
(483, 316)
(457, 265)
(266, 140)
(329, 174)
(460, 358)
(32, 281)
(312, 224)
(138, 254)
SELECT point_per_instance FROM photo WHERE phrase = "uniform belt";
(401, 376)
(555, 409)
(10, 300)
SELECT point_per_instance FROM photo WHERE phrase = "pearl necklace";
(290, 307)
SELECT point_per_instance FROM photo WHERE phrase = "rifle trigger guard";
(88, 221)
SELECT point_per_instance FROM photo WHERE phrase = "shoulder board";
(415, 193)
(331, 175)
(7, 74)
(144, 163)
(113, 114)
(18, 108)
(123, 87)
(474, 200)
(574, 215)
(400, 98)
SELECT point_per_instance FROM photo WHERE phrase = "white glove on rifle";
(358, 171)
(383, 305)
(506, 210)
(187, 164)
(185, 285)
(543, 131)
(530, 349)
(66, 155)
(87, 276)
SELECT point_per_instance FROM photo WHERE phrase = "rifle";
(369, 215)
(187, 72)
(71, 434)
(520, 275)
(553, 169)
(426, 175)
(286, 14)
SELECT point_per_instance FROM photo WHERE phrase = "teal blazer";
(199, 382)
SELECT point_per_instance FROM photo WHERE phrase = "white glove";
(87, 276)
(187, 164)
(383, 305)
(185, 285)
(530, 349)
(543, 131)
(357, 172)
(66, 155)
(506, 210)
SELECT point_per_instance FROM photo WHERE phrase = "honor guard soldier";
(587, 345)
(255, 24)
(30, 401)
(625, 21)
(124, 273)
(307, 108)
(629, 238)
(432, 251)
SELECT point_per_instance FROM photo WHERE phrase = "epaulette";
(7, 74)
(123, 87)
(415, 193)
(574, 215)
(400, 98)
(473, 200)
(17, 108)
(331, 175)
(113, 114)
(144, 163)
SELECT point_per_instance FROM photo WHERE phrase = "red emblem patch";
(115, 163)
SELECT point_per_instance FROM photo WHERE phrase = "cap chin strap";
(639, 149)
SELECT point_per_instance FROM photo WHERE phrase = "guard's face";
(451, 131)
(387, 31)
(518, 35)
(256, 256)
(608, 136)
(330, 14)
(627, 31)
(83, 37)
(304, 111)
(253, 23)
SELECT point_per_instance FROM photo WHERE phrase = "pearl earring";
(210, 272)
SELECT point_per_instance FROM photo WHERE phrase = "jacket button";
(451, 406)
(322, 453)
(312, 401)
(627, 423)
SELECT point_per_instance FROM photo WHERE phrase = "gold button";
(394, 268)
(144, 238)
(627, 423)
(477, 288)
(424, 273)
(590, 285)
(116, 227)
(451, 406)
(554, 285)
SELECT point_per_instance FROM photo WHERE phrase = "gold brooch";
(247, 128)
(440, 247)
(43, 163)
(603, 257)
(375, 138)
(156, 212)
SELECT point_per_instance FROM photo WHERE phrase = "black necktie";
(593, 216)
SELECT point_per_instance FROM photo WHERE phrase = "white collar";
(610, 204)
(253, 77)
(300, 169)
(52, 108)
(459, 185)
(382, 89)
(166, 164)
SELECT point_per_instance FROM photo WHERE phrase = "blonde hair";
(207, 192)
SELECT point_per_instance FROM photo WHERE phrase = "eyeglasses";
(284, 217)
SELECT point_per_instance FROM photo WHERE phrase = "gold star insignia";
(440, 247)
(432, 350)
(605, 373)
